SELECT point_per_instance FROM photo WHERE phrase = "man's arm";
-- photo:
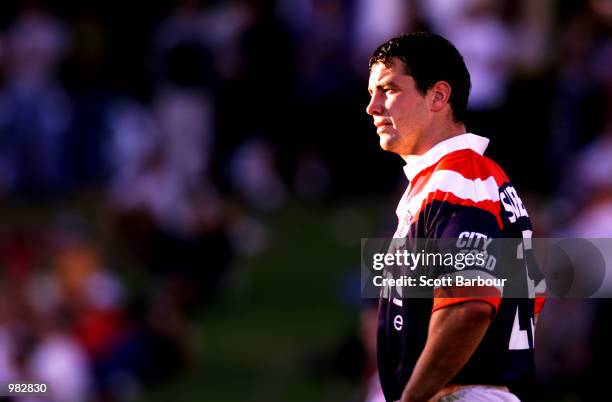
(454, 334)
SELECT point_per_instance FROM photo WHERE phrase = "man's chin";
(387, 143)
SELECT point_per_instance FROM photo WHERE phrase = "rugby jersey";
(456, 192)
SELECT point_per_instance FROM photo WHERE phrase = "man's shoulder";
(464, 173)
(461, 180)
(472, 166)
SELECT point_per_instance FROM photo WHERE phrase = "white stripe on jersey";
(416, 163)
(451, 182)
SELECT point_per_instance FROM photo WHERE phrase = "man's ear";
(440, 95)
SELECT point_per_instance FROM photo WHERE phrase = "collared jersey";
(455, 191)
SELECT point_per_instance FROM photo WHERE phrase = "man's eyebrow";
(382, 84)
(387, 83)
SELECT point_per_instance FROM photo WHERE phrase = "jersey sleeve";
(468, 230)
(461, 219)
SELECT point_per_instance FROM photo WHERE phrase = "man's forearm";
(454, 334)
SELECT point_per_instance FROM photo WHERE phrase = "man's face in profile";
(400, 112)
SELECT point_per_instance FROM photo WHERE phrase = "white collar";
(416, 163)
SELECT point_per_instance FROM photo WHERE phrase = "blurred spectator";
(376, 21)
(487, 44)
(35, 110)
(61, 362)
(199, 41)
(254, 175)
(86, 75)
(161, 159)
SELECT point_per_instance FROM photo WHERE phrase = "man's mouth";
(380, 125)
(382, 122)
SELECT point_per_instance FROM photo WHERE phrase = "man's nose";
(375, 106)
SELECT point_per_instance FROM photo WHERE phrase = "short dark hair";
(429, 58)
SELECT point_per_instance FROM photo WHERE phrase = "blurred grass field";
(277, 320)
(281, 312)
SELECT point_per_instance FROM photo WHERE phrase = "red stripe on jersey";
(539, 303)
(469, 164)
(449, 296)
(451, 301)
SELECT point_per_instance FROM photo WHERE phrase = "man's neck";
(427, 142)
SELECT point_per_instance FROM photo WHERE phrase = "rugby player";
(465, 348)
